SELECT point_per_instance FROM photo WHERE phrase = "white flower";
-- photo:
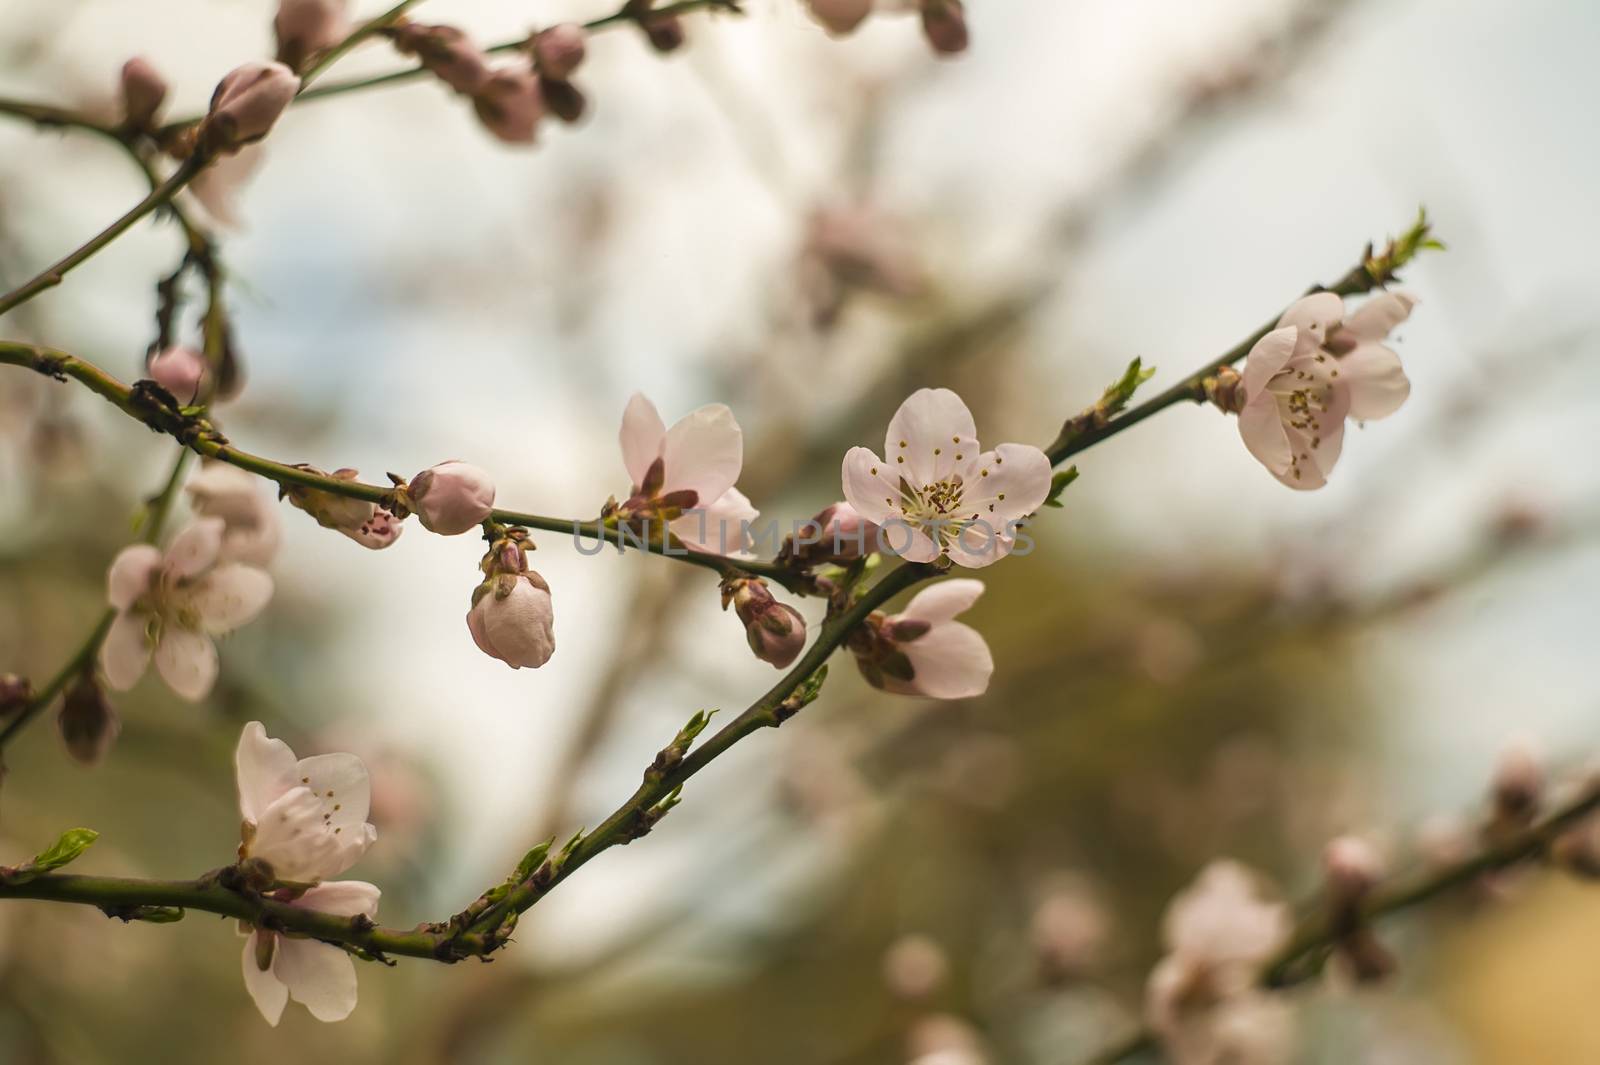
(174, 603)
(1303, 379)
(307, 819)
(218, 186)
(513, 619)
(252, 529)
(451, 498)
(935, 492)
(1201, 999)
(923, 650)
(686, 474)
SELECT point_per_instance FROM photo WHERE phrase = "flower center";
(935, 508)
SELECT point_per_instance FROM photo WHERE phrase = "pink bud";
(88, 723)
(778, 635)
(510, 104)
(451, 498)
(143, 92)
(563, 99)
(944, 23)
(837, 535)
(840, 16)
(447, 53)
(1353, 867)
(558, 50)
(1518, 783)
(183, 372)
(246, 104)
(306, 27)
(512, 619)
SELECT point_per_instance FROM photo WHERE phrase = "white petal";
(130, 573)
(1269, 356)
(292, 837)
(1377, 318)
(229, 596)
(723, 528)
(703, 453)
(931, 419)
(187, 661)
(344, 898)
(897, 538)
(869, 487)
(1261, 428)
(1010, 482)
(642, 435)
(943, 601)
(475, 626)
(1375, 380)
(268, 991)
(950, 661)
(265, 770)
(1316, 316)
(126, 652)
(319, 976)
(343, 787)
(195, 549)
(979, 545)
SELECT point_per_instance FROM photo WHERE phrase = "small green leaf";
(1058, 484)
(530, 862)
(71, 845)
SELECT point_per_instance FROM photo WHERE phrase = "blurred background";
(1195, 662)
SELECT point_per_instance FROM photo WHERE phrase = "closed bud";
(510, 557)
(1518, 784)
(512, 618)
(15, 692)
(451, 498)
(306, 27)
(944, 24)
(564, 100)
(840, 17)
(447, 53)
(510, 104)
(778, 635)
(1224, 389)
(182, 371)
(838, 535)
(558, 50)
(664, 32)
(143, 92)
(88, 723)
(1352, 867)
(246, 104)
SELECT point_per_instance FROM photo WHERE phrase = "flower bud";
(306, 27)
(447, 53)
(776, 632)
(510, 104)
(182, 371)
(1225, 390)
(246, 104)
(15, 692)
(1352, 867)
(944, 24)
(361, 520)
(451, 498)
(1518, 784)
(837, 535)
(564, 100)
(839, 17)
(558, 50)
(88, 723)
(512, 619)
(664, 32)
(143, 92)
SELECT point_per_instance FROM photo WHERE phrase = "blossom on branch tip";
(684, 476)
(304, 820)
(776, 631)
(143, 91)
(923, 650)
(935, 493)
(1307, 376)
(306, 27)
(246, 104)
(512, 618)
(365, 522)
(450, 498)
(172, 604)
(183, 372)
(510, 103)
(251, 526)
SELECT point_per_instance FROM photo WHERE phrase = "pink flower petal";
(229, 596)
(643, 433)
(943, 601)
(319, 976)
(1375, 380)
(269, 993)
(869, 487)
(950, 661)
(195, 549)
(265, 770)
(703, 453)
(1267, 358)
(345, 898)
(130, 573)
(126, 651)
(1377, 318)
(187, 661)
(930, 420)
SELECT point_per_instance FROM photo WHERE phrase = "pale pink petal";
(343, 787)
(290, 837)
(869, 487)
(195, 549)
(703, 453)
(521, 627)
(217, 187)
(130, 573)
(1261, 428)
(265, 770)
(265, 988)
(950, 661)
(979, 545)
(723, 528)
(930, 420)
(228, 597)
(1269, 356)
(895, 537)
(1010, 482)
(475, 626)
(1378, 317)
(126, 652)
(1315, 316)
(319, 976)
(942, 601)
(187, 661)
(643, 433)
(345, 898)
(1375, 380)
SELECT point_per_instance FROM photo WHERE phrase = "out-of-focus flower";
(776, 631)
(306, 820)
(664, 32)
(451, 498)
(944, 1039)
(143, 91)
(217, 187)
(15, 691)
(684, 476)
(837, 535)
(182, 371)
(173, 604)
(855, 247)
(944, 24)
(1068, 932)
(1297, 388)
(839, 17)
(246, 104)
(510, 103)
(1352, 867)
(1518, 785)
(87, 721)
(936, 493)
(1201, 999)
(365, 522)
(512, 617)
(447, 53)
(559, 50)
(914, 967)
(306, 27)
(251, 526)
(923, 650)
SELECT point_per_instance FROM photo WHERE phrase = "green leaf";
(530, 862)
(71, 845)
(1058, 484)
(1121, 390)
